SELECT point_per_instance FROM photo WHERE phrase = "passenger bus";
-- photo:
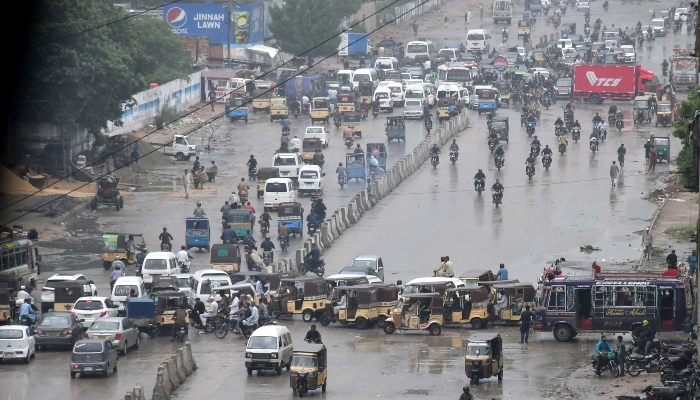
(612, 302)
(453, 74)
(19, 258)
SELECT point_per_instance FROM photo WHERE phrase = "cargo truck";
(596, 83)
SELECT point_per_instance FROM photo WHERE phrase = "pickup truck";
(180, 148)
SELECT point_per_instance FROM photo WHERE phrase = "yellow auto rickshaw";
(483, 357)
(473, 277)
(360, 306)
(278, 108)
(7, 305)
(226, 257)
(346, 102)
(524, 28)
(124, 245)
(664, 113)
(166, 303)
(366, 91)
(320, 110)
(468, 305)
(309, 369)
(353, 120)
(262, 103)
(415, 311)
(388, 297)
(309, 147)
(263, 175)
(66, 293)
(511, 299)
(301, 295)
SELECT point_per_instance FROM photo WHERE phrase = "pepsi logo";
(176, 17)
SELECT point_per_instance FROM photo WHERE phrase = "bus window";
(624, 296)
(604, 296)
(557, 298)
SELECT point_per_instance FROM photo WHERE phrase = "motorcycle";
(286, 130)
(535, 150)
(252, 174)
(264, 228)
(434, 160)
(181, 333)
(605, 6)
(530, 170)
(499, 160)
(523, 117)
(479, 185)
(546, 102)
(530, 128)
(363, 115)
(348, 142)
(243, 195)
(267, 258)
(453, 156)
(593, 144)
(336, 122)
(375, 112)
(664, 71)
(318, 269)
(611, 119)
(546, 162)
(312, 229)
(342, 180)
(576, 134)
(428, 124)
(559, 130)
(284, 242)
(492, 144)
(659, 393)
(611, 365)
(651, 364)
(640, 40)
(497, 196)
(619, 123)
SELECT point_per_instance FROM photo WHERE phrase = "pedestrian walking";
(186, 182)
(647, 243)
(415, 28)
(468, 16)
(647, 150)
(672, 260)
(614, 171)
(652, 159)
(525, 323)
(692, 263)
(109, 165)
(446, 19)
(212, 98)
(481, 12)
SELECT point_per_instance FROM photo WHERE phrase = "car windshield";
(52, 283)
(382, 95)
(11, 334)
(124, 290)
(446, 53)
(155, 264)
(55, 320)
(276, 187)
(283, 161)
(657, 23)
(88, 305)
(459, 75)
(413, 94)
(360, 78)
(395, 89)
(90, 347)
(262, 343)
(417, 48)
(415, 71)
(314, 130)
(104, 326)
(303, 361)
(498, 125)
(482, 348)
(183, 282)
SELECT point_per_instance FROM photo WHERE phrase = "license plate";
(275, 205)
(8, 355)
(88, 369)
(101, 336)
(309, 183)
(53, 333)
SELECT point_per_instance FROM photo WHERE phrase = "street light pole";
(228, 33)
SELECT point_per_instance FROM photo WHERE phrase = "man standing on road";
(212, 98)
(647, 150)
(652, 159)
(692, 262)
(614, 171)
(525, 323)
(186, 182)
(672, 260)
(415, 28)
(481, 12)
(647, 242)
(468, 16)
(446, 19)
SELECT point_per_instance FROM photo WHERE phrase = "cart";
(395, 129)
(141, 313)
(197, 233)
(356, 167)
(237, 110)
(107, 193)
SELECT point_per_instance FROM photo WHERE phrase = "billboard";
(211, 20)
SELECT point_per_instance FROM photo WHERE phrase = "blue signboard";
(211, 20)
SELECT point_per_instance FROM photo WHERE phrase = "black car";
(416, 72)
(58, 329)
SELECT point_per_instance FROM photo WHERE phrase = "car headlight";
(273, 355)
(248, 355)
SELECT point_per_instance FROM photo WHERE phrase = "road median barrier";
(172, 373)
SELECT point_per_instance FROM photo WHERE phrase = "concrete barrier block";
(179, 368)
(364, 199)
(376, 191)
(351, 213)
(180, 358)
(299, 256)
(307, 247)
(138, 393)
(190, 357)
(335, 225)
(316, 238)
(171, 371)
(361, 207)
(344, 217)
(162, 389)
(326, 238)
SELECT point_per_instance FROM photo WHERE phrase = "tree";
(681, 130)
(306, 25)
(82, 67)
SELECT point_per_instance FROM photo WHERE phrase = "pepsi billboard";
(211, 20)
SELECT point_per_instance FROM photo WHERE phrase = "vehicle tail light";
(18, 352)
(38, 332)
(67, 331)
(85, 336)
(103, 313)
(76, 366)
(118, 336)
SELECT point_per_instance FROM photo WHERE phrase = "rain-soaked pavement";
(433, 213)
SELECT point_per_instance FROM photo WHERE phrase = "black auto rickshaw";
(366, 91)
(309, 369)
(662, 144)
(301, 295)
(66, 293)
(225, 257)
(500, 126)
(388, 297)
(309, 147)
(166, 303)
(361, 306)
(483, 357)
(263, 175)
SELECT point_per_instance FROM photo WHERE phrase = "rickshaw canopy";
(278, 102)
(365, 296)
(346, 98)
(311, 144)
(480, 274)
(321, 102)
(225, 254)
(312, 286)
(291, 209)
(640, 102)
(169, 300)
(196, 223)
(477, 294)
(267, 173)
(664, 106)
(526, 288)
(352, 117)
(112, 242)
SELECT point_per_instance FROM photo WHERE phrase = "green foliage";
(680, 232)
(169, 112)
(304, 24)
(81, 69)
(681, 130)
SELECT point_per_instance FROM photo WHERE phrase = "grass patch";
(680, 232)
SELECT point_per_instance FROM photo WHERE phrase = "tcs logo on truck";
(595, 81)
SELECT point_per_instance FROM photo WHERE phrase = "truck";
(180, 148)
(354, 45)
(613, 82)
(502, 11)
(683, 69)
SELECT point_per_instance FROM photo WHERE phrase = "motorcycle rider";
(621, 151)
(165, 238)
(504, 34)
(284, 143)
(180, 319)
(493, 136)
(249, 241)
(612, 110)
(286, 125)
(211, 312)
(228, 235)
(252, 164)
(531, 119)
(242, 187)
(435, 152)
(296, 144)
(342, 172)
(267, 245)
(537, 145)
(601, 350)
(319, 207)
(336, 115)
(603, 127)
(374, 105)
(312, 221)
(313, 335)
(183, 257)
(479, 177)
(373, 165)
(363, 107)
(199, 211)
(265, 219)
(318, 158)
(570, 106)
(27, 310)
(577, 125)
(497, 186)
(530, 161)
(558, 124)
(358, 150)
(546, 151)
(445, 269)
(347, 134)
(283, 231)
(562, 139)
(597, 119)
(312, 259)
(23, 295)
(454, 146)
(664, 67)
(499, 153)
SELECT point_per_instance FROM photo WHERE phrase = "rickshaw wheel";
(250, 371)
(307, 316)
(361, 323)
(435, 330)
(276, 314)
(477, 323)
(381, 320)
(324, 320)
(106, 265)
(500, 375)
(323, 387)
(389, 328)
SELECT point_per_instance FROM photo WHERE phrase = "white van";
(416, 92)
(344, 76)
(396, 90)
(310, 180)
(158, 263)
(288, 164)
(365, 75)
(270, 347)
(478, 40)
(317, 132)
(383, 96)
(418, 51)
(278, 190)
(387, 63)
(122, 287)
(204, 280)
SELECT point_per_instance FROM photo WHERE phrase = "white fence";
(180, 93)
(407, 12)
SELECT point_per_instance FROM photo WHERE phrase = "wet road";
(433, 213)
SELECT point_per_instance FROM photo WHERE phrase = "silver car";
(117, 330)
(413, 108)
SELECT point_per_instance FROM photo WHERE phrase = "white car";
(583, 5)
(16, 343)
(630, 55)
(413, 108)
(317, 132)
(47, 292)
(92, 308)
(681, 13)
(659, 26)
(541, 71)
(396, 93)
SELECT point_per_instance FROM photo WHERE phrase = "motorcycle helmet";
(267, 237)
(340, 164)
(645, 323)
(500, 146)
(480, 170)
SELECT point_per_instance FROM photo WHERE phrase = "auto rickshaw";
(346, 102)
(301, 295)
(540, 57)
(271, 281)
(504, 88)
(263, 175)
(444, 104)
(225, 257)
(361, 307)
(662, 144)
(366, 90)
(7, 305)
(337, 280)
(666, 15)
(614, 57)
(164, 283)
(417, 311)
(166, 303)
(356, 167)
(524, 28)
(66, 293)
(352, 120)
(320, 110)
(292, 214)
(468, 305)
(116, 244)
(141, 313)
(309, 147)
(378, 150)
(642, 113)
(483, 356)
(474, 277)
(395, 129)
(388, 297)
(240, 221)
(309, 369)
(488, 100)
(664, 113)
(237, 109)
(515, 297)
(197, 233)
(262, 103)
(501, 127)
(278, 108)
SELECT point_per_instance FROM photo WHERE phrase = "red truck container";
(614, 82)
